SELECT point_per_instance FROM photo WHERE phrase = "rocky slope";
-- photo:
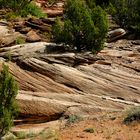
(54, 83)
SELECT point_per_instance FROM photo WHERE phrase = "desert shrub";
(32, 9)
(85, 26)
(57, 30)
(127, 13)
(89, 130)
(8, 57)
(22, 8)
(19, 40)
(72, 119)
(11, 15)
(133, 114)
(15, 5)
(8, 107)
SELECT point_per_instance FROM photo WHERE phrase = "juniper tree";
(8, 107)
(84, 26)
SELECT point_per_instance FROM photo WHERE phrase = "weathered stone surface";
(41, 27)
(115, 34)
(32, 36)
(52, 85)
(9, 39)
(53, 13)
(25, 30)
(49, 20)
(3, 31)
(53, 9)
(26, 49)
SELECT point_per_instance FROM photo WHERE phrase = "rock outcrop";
(56, 85)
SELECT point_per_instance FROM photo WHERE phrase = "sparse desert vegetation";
(77, 66)
(132, 114)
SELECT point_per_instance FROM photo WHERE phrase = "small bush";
(33, 10)
(132, 114)
(73, 119)
(8, 57)
(49, 134)
(25, 135)
(85, 26)
(21, 8)
(11, 15)
(89, 130)
(19, 40)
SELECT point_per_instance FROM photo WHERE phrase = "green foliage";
(11, 15)
(127, 13)
(57, 30)
(25, 135)
(19, 40)
(21, 8)
(85, 26)
(8, 57)
(8, 107)
(73, 119)
(32, 9)
(15, 5)
(133, 114)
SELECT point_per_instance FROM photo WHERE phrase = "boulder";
(32, 36)
(116, 34)
(42, 27)
(53, 12)
(25, 30)
(26, 49)
(49, 20)
(4, 31)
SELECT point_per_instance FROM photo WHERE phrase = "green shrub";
(73, 119)
(11, 15)
(8, 57)
(32, 9)
(127, 13)
(19, 40)
(85, 26)
(8, 107)
(22, 8)
(133, 114)
(15, 5)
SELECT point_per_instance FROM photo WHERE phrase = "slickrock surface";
(53, 85)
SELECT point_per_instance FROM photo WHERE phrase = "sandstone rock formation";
(116, 34)
(32, 36)
(56, 85)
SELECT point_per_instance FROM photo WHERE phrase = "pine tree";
(8, 107)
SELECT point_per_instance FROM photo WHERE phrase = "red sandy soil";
(103, 130)
(109, 127)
